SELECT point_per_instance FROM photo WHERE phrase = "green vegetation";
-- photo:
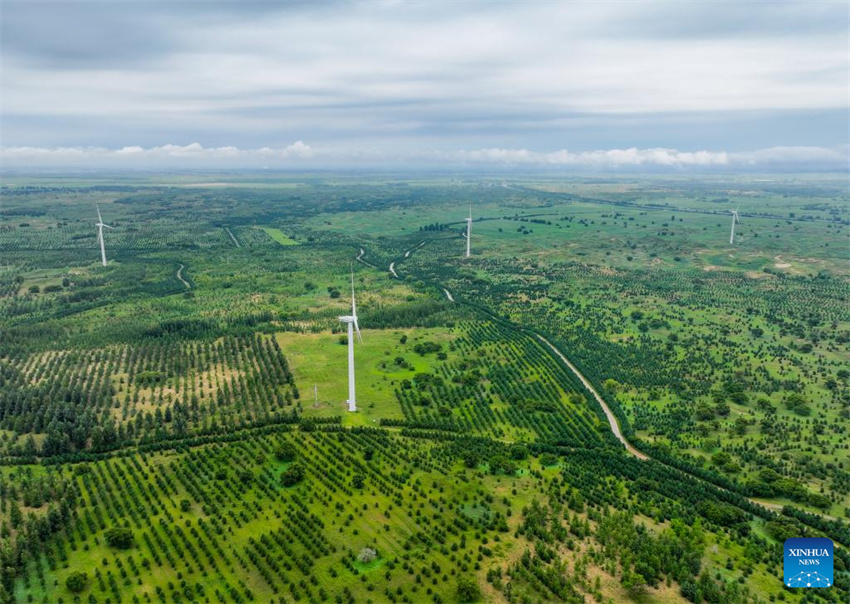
(279, 236)
(172, 426)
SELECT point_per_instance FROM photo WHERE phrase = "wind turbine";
(735, 220)
(351, 321)
(469, 231)
(100, 226)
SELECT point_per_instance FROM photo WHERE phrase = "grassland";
(279, 236)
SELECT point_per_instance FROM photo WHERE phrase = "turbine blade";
(99, 219)
(108, 227)
(357, 329)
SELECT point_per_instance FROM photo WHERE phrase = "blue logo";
(808, 562)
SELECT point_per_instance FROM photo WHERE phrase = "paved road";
(392, 270)
(448, 295)
(236, 241)
(180, 276)
(615, 427)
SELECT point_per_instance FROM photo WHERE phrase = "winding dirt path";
(359, 259)
(406, 255)
(612, 419)
(180, 276)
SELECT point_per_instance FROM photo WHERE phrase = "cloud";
(796, 155)
(300, 154)
(599, 158)
(135, 156)
(425, 75)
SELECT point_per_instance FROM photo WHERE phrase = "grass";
(319, 359)
(279, 236)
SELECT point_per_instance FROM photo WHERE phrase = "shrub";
(467, 590)
(548, 459)
(366, 555)
(293, 475)
(76, 582)
(119, 537)
(286, 452)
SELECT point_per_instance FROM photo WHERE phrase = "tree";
(721, 458)
(357, 481)
(366, 555)
(76, 582)
(16, 517)
(286, 451)
(704, 412)
(519, 451)
(467, 590)
(740, 426)
(119, 537)
(293, 475)
(548, 459)
(634, 583)
(471, 459)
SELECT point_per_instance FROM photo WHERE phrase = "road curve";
(612, 419)
(406, 255)
(180, 276)
(359, 259)
(615, 427)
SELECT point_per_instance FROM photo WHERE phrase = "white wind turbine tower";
(735, 220)
(100, 226)
(351, 320)
(469, 231)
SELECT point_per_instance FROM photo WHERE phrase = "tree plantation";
(606, 402)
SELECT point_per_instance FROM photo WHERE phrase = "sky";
(573, 85)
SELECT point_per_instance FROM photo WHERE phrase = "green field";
(191, 394)
(279, 236)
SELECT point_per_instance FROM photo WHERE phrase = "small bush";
(76, 582)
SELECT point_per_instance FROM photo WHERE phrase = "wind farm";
(570, 334)
(291, 365)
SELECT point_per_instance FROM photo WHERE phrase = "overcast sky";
(280, 84)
